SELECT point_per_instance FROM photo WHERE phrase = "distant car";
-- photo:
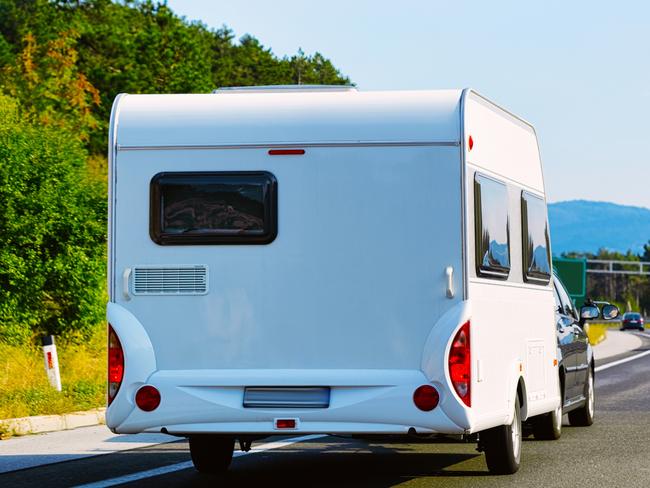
(575, 364)
(632, 320)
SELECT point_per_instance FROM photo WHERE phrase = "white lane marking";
(188, 464)
(621, 361)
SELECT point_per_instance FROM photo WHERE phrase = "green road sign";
(573, 273)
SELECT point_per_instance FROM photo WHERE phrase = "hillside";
(586, 226)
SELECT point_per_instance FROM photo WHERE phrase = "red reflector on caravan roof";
(470, 143)
(286, 152)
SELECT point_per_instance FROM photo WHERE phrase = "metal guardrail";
(606, 266)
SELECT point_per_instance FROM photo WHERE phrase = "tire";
(584, 416)
(211, 454)
(548, 427)
(502, 445)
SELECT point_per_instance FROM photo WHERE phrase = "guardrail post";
(51, 362)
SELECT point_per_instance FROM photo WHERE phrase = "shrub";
(52, 232)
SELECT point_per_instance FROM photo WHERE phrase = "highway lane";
(612, 452)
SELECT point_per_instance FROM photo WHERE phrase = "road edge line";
(172, 468)
(620, 361)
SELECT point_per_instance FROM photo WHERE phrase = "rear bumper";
(211, 401)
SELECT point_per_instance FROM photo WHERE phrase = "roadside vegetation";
(62, 62)
(24, 389)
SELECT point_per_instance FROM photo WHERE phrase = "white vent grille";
(170, 280)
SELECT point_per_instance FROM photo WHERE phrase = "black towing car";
(575, 363)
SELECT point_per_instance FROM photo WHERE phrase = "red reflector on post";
(286, 152)
(147, 398)
(426, 398)
(285, 424)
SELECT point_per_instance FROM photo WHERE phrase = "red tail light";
(115, 364)
(147, 398)
(426, 398)
(460, 364)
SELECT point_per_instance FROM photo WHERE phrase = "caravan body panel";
(360, 287)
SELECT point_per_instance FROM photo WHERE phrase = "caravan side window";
(534, 228)
(492, 228)
(213, 208)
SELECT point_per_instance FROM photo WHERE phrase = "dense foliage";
(104, 48)
(52, 231)
(61, 65)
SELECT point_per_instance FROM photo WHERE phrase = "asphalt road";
(615, 451)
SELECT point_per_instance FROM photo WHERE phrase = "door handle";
(449, 273)
(125, 284)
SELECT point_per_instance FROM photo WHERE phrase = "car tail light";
(426, 398)
(460, 364)
(115, 364)
(147, 398)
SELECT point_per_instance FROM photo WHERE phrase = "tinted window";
(492, 232)
(536, 256)
(213, 208)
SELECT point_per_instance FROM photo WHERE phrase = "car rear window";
(197, 208)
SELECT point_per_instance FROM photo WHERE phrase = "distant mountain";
(585, 226)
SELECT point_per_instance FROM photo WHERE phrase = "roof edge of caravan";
(468, 92)
(283, 88)
(252, 118)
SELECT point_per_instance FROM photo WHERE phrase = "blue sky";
(579, 71)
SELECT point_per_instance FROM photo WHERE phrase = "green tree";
(52, 232)
(48, 82)
(133, 47)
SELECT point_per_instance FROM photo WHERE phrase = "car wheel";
(502, 445)
(211, 454)
(584, 416)
(548, 427)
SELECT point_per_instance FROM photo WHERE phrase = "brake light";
(286, 152)
(115, 364)
(460, 364)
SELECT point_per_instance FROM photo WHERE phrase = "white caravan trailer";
(325, 260)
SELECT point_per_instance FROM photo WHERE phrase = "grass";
(25, 391)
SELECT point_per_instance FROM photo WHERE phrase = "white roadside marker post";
(51, 362)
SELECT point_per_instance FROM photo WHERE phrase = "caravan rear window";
(213, 208)
(492, 228)
(537, 262)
